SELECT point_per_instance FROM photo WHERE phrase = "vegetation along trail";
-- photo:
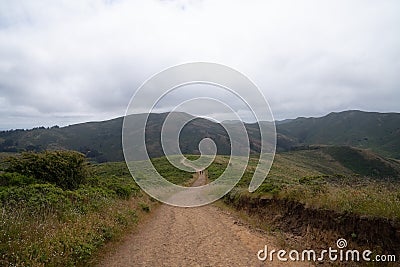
(202, 236)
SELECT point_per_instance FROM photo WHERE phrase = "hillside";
(98, 140)
(101, 141)
(379, 132)
(331, 164)
(334, 160)
(322, 194)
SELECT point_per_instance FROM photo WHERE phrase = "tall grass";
(52, 239)
(42, 224)
(377, 198)
(311, 179)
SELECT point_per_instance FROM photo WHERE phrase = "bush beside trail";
(56, 209)
(66, 169)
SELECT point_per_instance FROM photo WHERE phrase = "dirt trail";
(202, 236)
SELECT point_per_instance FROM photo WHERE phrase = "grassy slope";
(43, 224)
(376, 131)
(315, 178)
(169, 172)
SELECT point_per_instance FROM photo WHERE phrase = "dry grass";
(316, 180)
(43, 225)
(45, 238)
(378, 199)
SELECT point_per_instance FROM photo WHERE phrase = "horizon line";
(203, 117)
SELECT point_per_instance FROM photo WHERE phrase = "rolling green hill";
(101, 141)
(98, 140)
(379, 132)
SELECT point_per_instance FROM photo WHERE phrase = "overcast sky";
(63, 62)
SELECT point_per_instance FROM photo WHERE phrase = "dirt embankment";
(321, 228)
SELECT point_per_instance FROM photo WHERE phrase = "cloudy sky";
(63, 62)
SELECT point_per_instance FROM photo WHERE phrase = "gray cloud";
(63, 62)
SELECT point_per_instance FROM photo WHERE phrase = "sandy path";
(203, 236)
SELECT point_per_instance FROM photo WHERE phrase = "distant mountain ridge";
(101, 141)
(379, 132)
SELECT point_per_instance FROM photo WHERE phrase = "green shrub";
(43, 224)
(269, 188)
(123, 191)
(66, 169)
(144, 207)
(15, 179)
(313, 179)
(35, 197)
